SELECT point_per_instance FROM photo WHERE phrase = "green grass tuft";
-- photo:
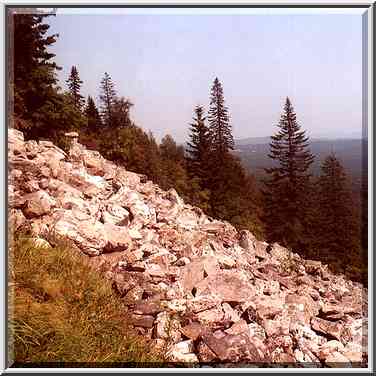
(62, 311)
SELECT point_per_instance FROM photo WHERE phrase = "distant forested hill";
(351, 152)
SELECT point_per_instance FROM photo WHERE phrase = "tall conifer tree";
(338, 226)
(107, 98)
(288, 190)
(92, 114)
(31, 68)
(74, 84)
(199, 145)
(219, 122)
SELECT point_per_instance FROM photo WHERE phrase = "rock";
(228, 285)
(38, 204)
(230, 314)
(203, 303)
(213, 227)
(283, 358)
(195, 271)
(226, 262)
(331, 329)
(239, 327)
(31, 186)
(15, 141)
(176, 305)
(205, 354)
(308, 349)
(117, 238)
(313, 267)
(211, 316)
(182, 261)
(353, 356)
(276, 327)
(182, 352)
(193, 330)
(88, 236)
(155, 270)
(232, 348)
(247, 240)
(121, 178)
(134, 255)
(271, 287)
(141, 320)
(134, 294)
(267, 307)
(256, 330)
(40, 243)
(337, 360)
(330, 347)
(16, 219)
(138, 266)
(184, 347)
(147, 308)
(187, 220)
(278, 252)
(260, 249)
(301, 303)
(167, 327)
(181, 273)
(116, 215)
(71, 135)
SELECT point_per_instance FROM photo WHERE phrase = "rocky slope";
(198, 288)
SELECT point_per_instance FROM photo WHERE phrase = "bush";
(62, 311)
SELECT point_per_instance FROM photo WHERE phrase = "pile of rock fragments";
(200, 290)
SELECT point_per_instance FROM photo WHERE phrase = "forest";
(315, 215)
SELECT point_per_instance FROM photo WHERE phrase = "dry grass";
(61, 311)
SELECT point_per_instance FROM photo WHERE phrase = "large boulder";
(228, 285)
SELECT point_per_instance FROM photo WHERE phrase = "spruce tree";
(107, 98)
(219, 122)
(74, 85)
(92, 115)
(40, 110)
(199, 145)
(33, 70)
(337, 223)
(287, 190)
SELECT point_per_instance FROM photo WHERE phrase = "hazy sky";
(166, 63)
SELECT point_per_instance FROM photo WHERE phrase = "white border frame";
(3, 234)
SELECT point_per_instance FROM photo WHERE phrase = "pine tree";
(199, 145)
(32, 66)
(107, 98)
(286, 194)
(74, 84)
(92, 115)
(219, 122)
(338, 226)
(40, 109)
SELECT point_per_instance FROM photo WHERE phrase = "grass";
(62, 312)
